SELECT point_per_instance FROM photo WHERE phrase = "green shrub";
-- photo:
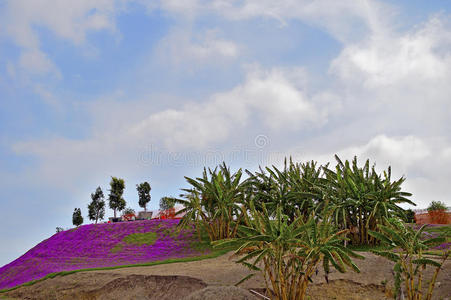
(406, 249)
(436, 205)
(410, 216)
(128, 211)
(288, 253)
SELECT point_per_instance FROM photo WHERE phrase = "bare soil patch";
(221, 292)
(85, 286)
(179, 280)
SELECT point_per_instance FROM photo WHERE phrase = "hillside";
(177, 280)
(99, 246)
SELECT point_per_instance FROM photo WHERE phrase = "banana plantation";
(357, 199)
(286, 223)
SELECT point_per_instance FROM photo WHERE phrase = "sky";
(156, 90)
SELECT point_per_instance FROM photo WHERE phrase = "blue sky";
(155, 90)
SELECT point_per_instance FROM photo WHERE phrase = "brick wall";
(434, 218)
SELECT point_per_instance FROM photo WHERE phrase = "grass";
(438, 253)
(140, 239)
(117, 248)
(445, 229)
(216, 252)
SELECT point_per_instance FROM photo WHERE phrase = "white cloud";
(35, 61)
(67, 163)
(398, 83)
(183, 47)
(343, 19)
(383, 60)
(189, 8)
(422, 160)
(271, 99)
(69, 20)
(266, 95)
(387, 98)
(404, 151)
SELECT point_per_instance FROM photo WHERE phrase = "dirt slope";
(175, 281)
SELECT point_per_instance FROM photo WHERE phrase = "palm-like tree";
(385, 199)
(361, 197)
(292, 188)
(192, 210)
(409, 258)
(288, 253)
(215, 201)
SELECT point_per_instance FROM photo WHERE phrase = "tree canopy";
(116, 201)
(166, 203)
(77, 218)
(436, 205)
(143, 194)
(96, 209)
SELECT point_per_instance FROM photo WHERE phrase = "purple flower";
(100, 245)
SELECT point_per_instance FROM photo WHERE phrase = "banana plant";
(289, 253)
(293, 187)
(361, 198)
(214, 202)
(405, 247)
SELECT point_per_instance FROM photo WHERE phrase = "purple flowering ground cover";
(100, 245)
(436, 230)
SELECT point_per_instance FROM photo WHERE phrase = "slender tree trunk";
(365, 235)
(434, 277)
(235, 229)
(420, 279)
(360, 226)
(275, 286)
(406, 280)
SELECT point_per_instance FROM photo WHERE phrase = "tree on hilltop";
(96, 209)
(437, 212)
(128, 211)
(116, 202)
(143, 194)
(77, 218)
(167, 203)
(437, 205)
(410, 216)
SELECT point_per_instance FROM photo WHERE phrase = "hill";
(101, 246)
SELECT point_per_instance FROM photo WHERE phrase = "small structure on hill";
(171, 213)
(128, 217)
(145, 215)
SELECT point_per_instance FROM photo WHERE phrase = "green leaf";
(434, 241)
(244, 279)
(251, 266)
(381, 237)
(387, 254)
(426, 261)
